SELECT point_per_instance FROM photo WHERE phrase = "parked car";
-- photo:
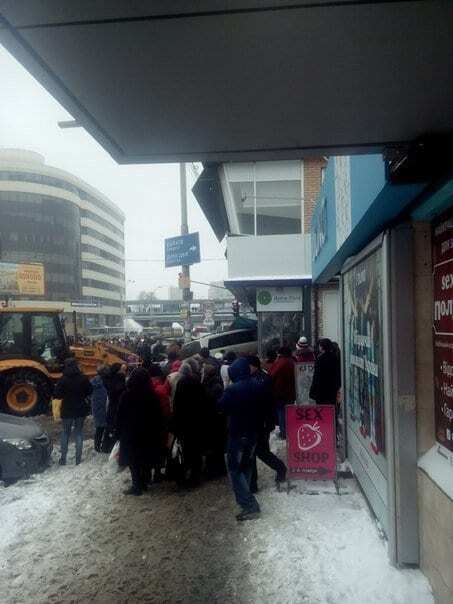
(243, 341)
(24, 448)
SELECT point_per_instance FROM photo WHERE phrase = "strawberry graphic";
(309, 436)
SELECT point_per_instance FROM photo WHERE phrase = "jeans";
(68, 423)
(239, 457)
(264, 453)
(281, 411)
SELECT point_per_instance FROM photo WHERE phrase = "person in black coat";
(190, 412)
(115, 383)
(138, 426)
(216, 432)
(326, 377)
(73, 389)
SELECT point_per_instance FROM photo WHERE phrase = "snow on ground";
(70, 536)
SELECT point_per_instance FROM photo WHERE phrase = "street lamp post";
(185, 269)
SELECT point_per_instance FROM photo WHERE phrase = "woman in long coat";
(139, 427)
(190, 411)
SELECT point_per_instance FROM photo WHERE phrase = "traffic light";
(235, 305)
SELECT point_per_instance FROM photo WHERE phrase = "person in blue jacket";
(241, 405)
(99, 407)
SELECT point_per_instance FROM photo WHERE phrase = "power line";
(163, 259)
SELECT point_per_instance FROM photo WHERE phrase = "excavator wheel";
(25, 392)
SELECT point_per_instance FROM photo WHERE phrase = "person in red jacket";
(162, 389)
(283, 385)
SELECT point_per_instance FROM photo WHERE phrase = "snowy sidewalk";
(69, 535)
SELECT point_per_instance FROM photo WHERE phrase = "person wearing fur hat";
(304, 353)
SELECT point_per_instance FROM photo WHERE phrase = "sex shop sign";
(443, 330)
(311, 442)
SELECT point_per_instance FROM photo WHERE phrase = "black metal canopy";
(219, 80)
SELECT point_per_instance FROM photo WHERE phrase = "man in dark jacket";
(263, 451)
(327, 375)
(241, 404)
(73, 389)
(139, 426)
(99, 407)
(216, 423)
(284, 385)
(115, 383)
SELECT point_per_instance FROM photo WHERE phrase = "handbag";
(175, 461)
(114, 457)
(56, 408)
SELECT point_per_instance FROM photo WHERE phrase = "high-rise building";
(52, 217)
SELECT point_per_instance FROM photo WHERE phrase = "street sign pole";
(185, 269)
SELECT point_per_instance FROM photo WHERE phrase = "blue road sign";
(182, 250)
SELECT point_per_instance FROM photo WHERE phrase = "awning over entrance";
(205, 80)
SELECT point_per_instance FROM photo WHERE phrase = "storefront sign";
(311, 442)
(443, 330)
(21, 279)
(280, 299)
(304, 377)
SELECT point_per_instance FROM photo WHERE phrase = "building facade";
(51, 217)
(265, 211)
(388, 237)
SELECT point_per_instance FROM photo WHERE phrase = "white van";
(240, 341)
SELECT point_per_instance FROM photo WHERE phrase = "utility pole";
(186, 293)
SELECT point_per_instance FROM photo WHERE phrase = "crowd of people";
(194, 419)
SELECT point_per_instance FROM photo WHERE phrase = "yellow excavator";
(33, 348)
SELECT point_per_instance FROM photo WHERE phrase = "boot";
(133, 491)
(248, 515)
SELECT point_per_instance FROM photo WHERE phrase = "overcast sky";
(148, 194)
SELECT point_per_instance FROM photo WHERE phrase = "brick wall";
(312, 185)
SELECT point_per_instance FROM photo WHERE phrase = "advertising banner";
(304, 377)
(280, 299)
(443, 330)
(311, 442)
(363, 355)
(22, 279)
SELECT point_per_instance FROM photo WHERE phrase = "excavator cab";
(33, 347)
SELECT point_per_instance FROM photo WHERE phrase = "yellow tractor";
(33, 348)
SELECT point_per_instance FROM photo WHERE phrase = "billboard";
(363, 355)
(21, 279)
(443, 330)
